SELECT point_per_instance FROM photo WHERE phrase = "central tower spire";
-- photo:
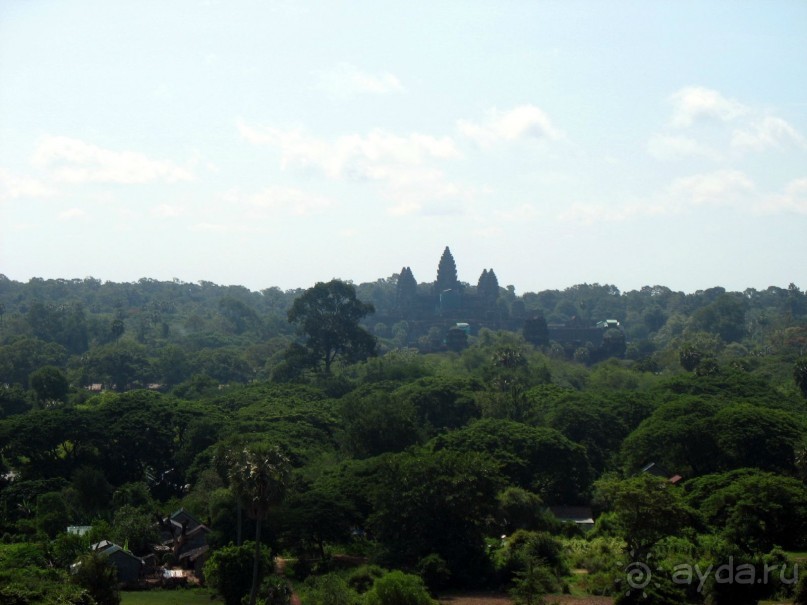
(446, 273)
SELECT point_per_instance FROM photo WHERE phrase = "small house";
(183, 532)
(581, 516)
(128, 566)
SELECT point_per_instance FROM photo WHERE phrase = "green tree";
(120, 363)
(690, 357)
(136, 528)
(329, 589)
(456, 339)
(238, 316)
(538, 459)
(800, 374)
(377, 422)
(441, 403)
(229, 571)
(613, 343)
(97, 576)
(520, 509)
(398, 588)
(438, 503)
(92, 491)
(755, 510)
(724, 317)
(318, 515)
(327, 316)
(646, 509)
(51, 513)
(49, 384)
(117, 328)
(259, 476)
(679, 436)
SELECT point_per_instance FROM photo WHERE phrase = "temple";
(435, 312)
(447, 297)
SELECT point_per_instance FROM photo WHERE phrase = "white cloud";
(355, 156)
(766, 132)
(523, 122)
(168, 211)
(592, 212)
(744, 128)
(75, 161)
(14, 187)
(524, 212)
(794, 199)
(720, 188)
(491, 232)
(72, 213)
(406, 167)
(287, 200)
(405, 208)
(670, 147)
(346, 80)
(695, 103)
(210, 227)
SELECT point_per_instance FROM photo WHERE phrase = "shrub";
(329, 589)
(434, 571)
(97, 576)
(398, 588)
(362, 578)
(229, 571)
(275, 590)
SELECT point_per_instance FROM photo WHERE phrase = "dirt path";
(280, 569)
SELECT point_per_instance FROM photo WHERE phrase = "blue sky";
(280, 143)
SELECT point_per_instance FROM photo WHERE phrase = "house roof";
(192, 555)
(107, 548)
(178, 514)
(576, 514)
(198, 529)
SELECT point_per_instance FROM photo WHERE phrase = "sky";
(280, 143)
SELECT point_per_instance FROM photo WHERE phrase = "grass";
(180, 596)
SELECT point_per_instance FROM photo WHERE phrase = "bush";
(362, 578)
(229, 571)
(329, 589)
(434, 571)
(800, 598)
(275, 590)
(99, 578)
(531, 584)
(398, 588)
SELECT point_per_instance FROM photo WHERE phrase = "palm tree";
(258, 475)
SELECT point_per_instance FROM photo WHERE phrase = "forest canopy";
(414, 427)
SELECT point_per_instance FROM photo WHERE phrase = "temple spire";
(446, 273)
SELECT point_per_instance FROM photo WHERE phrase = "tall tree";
(49, 384)
(259, 476)
(328, 316)
(446, 273)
